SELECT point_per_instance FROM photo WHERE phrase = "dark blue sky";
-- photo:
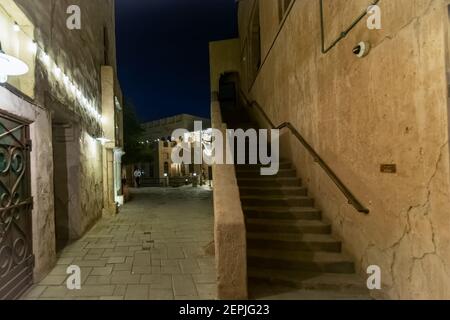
(162, 51)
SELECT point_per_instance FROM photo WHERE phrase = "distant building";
(163, 128)
(158, 137)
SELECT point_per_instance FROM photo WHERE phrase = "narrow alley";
(158, 247)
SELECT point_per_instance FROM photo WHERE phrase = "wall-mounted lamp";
(16, 27)
(10, 66)
(33, 47)
(103, 140)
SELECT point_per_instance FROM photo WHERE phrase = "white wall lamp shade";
(11, 66)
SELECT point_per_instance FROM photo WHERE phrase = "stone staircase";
(291, 253)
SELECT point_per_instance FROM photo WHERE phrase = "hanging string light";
(52, 67)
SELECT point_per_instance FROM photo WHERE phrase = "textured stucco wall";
(109, 128)
(224, 57)
(230, 238)
(91, 181)
(390, 107)
(80, 54)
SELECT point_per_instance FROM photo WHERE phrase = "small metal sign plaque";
(389, 168)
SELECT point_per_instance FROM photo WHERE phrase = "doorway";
(66, 175)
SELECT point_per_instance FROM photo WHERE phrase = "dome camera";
(362, 49)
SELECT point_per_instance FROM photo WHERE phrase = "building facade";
(381, 122)
(157, 137)
(62, 127)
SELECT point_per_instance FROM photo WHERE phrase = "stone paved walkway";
(154, 249)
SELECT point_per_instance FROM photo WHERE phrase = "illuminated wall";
(19, 43)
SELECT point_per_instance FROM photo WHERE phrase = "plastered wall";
(387, 108)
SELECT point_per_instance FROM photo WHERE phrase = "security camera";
(362, 49)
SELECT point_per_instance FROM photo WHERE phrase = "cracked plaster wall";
(390, 107)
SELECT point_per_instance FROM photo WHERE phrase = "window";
(283, 6)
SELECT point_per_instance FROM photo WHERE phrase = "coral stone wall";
(388, 108)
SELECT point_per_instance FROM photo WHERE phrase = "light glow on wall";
(71, 87)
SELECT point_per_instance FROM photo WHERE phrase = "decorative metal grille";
(16, 257)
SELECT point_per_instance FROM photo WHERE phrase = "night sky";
(162, 51)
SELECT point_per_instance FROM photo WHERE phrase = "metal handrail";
(344, 33)
(352, 200)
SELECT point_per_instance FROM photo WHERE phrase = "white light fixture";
(103, 140)
(33, 47)
(165, 175)
(11, 66)
(45, 58)
(57, 71)
(195, 174)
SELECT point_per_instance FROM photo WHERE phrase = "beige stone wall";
(230, 239)
(80, 55)
(91, 181)
(224, 57)
(388, 108)
(109, 128)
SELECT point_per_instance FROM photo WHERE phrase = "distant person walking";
(137, 177)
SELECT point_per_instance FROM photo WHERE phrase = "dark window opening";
(106, 46)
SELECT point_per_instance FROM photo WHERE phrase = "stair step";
(326, 262)
(287, 191)
(282, 213)
(268, 181)
(289, 294)
(297, 201)
(287, 226)
(257, 173)
(290, 241)
(348, 283)
(256, 167)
